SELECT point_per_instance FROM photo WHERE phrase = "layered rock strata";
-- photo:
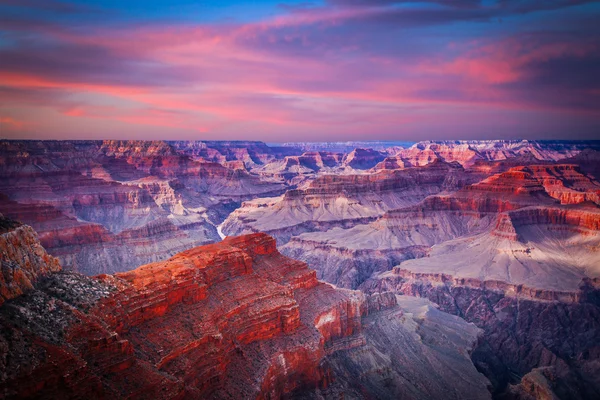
(537, 343)
(229, 320)
(343, 201)
(22, 259)
(476, 220)
(106, 206)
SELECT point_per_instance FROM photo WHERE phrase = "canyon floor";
(173, 269)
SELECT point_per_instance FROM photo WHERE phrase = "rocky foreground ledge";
(230, 320)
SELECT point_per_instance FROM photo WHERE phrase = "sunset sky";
(285, 70)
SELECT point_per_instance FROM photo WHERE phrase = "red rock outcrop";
(394, 162)
(22, 259)
(229, 320)
(234, 319)
(566, 183)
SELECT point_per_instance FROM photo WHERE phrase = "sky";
(287, 70)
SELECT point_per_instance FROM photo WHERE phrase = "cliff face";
(544, 342)
(567, 183)
(363, 158)
(229, 320)
(22, 258)
(588, 160)
(393, 162)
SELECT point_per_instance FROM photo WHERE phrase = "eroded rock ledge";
(22, 259)
(230, 320)
(195, 325)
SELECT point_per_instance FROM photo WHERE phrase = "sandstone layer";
(229, 320)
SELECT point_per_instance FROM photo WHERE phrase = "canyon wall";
(536, 342)
(107, 206)
(229, 320)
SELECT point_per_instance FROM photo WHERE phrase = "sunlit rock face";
(22, 259)
(229, 320)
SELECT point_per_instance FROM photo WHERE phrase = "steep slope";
(363, 158)
(229, 320)
(393, 162)
(22, 259)
(416, 345)
(536, 343)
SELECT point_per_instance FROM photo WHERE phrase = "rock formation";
(109, 206)
(475, 219)
(363, 158)
(505, 235)
(468, 152)
(23, 260)
(295, 170)
(393, 162)
(343, 200)
(229, 320)
(537, 343)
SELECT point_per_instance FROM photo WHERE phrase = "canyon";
(170, 269)
(230, 320)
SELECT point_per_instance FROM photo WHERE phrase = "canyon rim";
(300, 199)
(159, 269)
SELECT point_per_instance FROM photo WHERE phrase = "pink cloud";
(506, 61)
(275, 75)
(12, 123)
